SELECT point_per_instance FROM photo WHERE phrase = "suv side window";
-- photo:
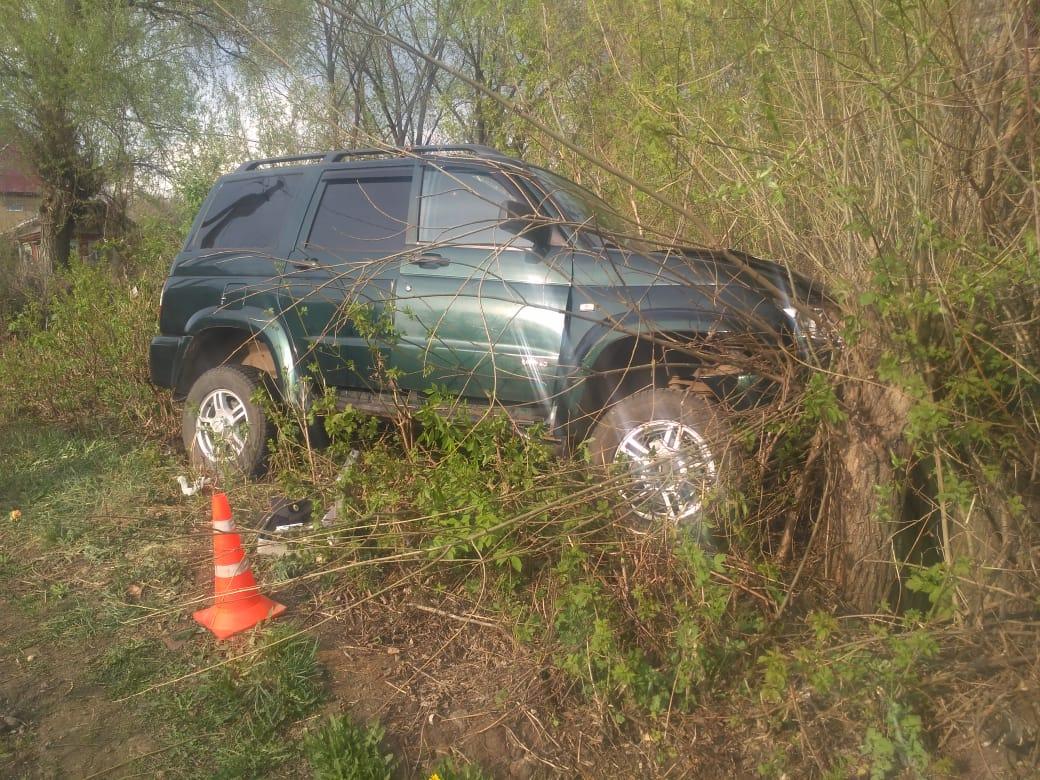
(362, 215)
(249, 213)
(464, 207)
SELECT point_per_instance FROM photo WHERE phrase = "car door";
(339, 279)
(480, 307)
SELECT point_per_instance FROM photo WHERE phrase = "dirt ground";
(442, 684)
(439, 683)
(439, 667)
(57, 723)
(446, 686)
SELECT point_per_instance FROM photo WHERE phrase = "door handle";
(430, 260)
(305, 264)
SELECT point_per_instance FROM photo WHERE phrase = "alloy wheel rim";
(669, 468)
(221, 427)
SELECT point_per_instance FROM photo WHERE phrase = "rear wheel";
(222, 426)
(669, 449)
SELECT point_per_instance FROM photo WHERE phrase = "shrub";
(80, 359)
(470, 491)
(15, 290)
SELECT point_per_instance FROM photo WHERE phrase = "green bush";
(860, 686)
(80, 359)
(660, 639)
(470, 491)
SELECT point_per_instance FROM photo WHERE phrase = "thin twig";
(453, 616)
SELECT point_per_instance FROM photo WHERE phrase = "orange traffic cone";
(238, 604)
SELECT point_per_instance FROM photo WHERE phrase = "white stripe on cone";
(232, 569)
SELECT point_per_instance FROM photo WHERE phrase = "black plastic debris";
(284, 517)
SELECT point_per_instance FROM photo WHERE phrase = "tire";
(238, 434)
(668, 449)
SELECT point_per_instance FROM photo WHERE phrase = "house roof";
(15, 183)
(24, 229)
(16, 175)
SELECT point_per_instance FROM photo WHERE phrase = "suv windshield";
(589, 212)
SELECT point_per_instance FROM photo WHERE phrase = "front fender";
(590, 338)
(259, 324)
(640, 324)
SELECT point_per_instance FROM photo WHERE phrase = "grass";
(100, 562)
(80, 501)
(243, 715)
(105, 562)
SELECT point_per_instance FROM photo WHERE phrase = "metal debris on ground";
(191, 488)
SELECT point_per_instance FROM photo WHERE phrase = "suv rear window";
(362, 215)
(248, 213)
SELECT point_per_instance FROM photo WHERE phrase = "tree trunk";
(56, 229)
(865, 493)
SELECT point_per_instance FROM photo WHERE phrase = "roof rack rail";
(252, 165)
(389, 151)
(476, 150)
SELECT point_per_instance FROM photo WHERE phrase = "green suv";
(387, 274)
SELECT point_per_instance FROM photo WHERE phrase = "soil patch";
(67, 726)
(445, 684)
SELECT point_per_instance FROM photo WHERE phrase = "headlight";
(821, 330)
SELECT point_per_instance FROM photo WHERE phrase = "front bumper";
(164, 359)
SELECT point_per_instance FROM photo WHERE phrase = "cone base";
(226, 620)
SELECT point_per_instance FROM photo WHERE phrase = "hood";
(690, 266)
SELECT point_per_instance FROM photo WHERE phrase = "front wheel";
(669, 448)
(222, 425)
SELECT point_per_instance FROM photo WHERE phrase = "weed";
(659, 646)
(873, 682)
(456, 491)
(938, 583)
(899, 744)
(342, 750)
(449, 769)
